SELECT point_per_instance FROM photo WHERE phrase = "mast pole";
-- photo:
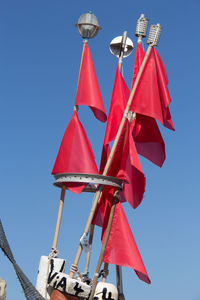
(54, 251)
(84, 42)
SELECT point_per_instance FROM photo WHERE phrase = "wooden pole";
(59, 217)
(105, 270)
(119, 283)
(98, 193)
(60, 209)
(84, 42)
(103, 248)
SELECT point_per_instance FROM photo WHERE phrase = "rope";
(54, 253)
(74, 269)
(103, 273)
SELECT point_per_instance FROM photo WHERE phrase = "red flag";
(88, 91)
(140, 54)
(152, 96)
(147, 136)
(121, 248)
(130, 168)
(148, 139)
(103, 210)
(126, 165)
(75, 154)
(118, 103)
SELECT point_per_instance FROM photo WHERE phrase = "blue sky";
(40, 52)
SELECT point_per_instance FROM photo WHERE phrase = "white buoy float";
(105, 290)
(63, 283)
(48, 267)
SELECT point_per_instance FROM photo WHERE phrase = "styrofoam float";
(105, 290)
(65, 284)
(47, 267)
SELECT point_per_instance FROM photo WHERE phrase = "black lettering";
(51, 276)
(62, 284)
(62, 267)
(104, 295)
(78, 289)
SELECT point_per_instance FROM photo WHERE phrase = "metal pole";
(123, 44)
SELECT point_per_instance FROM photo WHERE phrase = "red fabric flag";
(152, 96)
(88, 91)
(125, 165)
(121, 248)
(148, 140)
(147, 136)
(118, 103)
(75, 154)
(103, 210)
(130, 168)
(140, 54)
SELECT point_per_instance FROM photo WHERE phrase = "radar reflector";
(116, 46)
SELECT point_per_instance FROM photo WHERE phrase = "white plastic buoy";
(2, 289)
(105, 290)
(65, 284)
(48, 267)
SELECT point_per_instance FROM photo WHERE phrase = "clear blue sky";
(40, 53)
